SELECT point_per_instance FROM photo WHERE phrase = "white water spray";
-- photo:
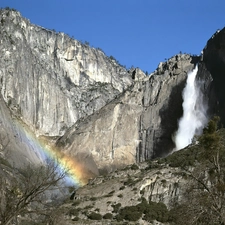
(194, 113)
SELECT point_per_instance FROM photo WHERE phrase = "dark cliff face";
(159, 119)
(211, 74)
(212, 71)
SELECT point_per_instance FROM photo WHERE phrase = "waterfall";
(194, 116)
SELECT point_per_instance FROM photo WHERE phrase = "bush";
(93, 198)
(88, 207)
(152, 211)
(75, 219)
(156, 211)
(129, 181)
(110, 194)
(94, 216)
(76, 202)
(108, 216)
(134, 167)
(116, 207)
(130, 213)
(73, 212)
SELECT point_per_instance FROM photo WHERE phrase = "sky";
(139, 33)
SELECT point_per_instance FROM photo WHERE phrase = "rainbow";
(77, 174)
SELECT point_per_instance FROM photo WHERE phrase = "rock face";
(213, 73)
(100, 112)
(134, 127)
(51, 80)
(15, 146)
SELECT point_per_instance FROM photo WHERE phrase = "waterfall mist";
(194, 116)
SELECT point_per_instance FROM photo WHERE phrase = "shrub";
(88, 207)
(94, 216)
(75, 219)
(130, 213)
(110, 194)
(73, 212)
(129, 181)
(156, 211)
(76, 202)
(108, 216)
(93, 198)
(122, 187)
(116, 207)
(120, 196)
(152, 211)
(134, 167)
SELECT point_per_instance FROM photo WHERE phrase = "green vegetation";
(93, 198)
(108, 216)
(156, 211)
(116, 207)
(10, 9)
(134, 167)
(147, 211)
(129, 213)
(75, 218)
(122, 187)
(130, 181)
(110, 194)
(88, 207)
(73, 212)
(94, 216)
(204, 199)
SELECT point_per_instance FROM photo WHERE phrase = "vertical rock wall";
(213, 72)
(136, 126)
(51, 80)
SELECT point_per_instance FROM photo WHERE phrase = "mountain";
(63, 99)
(55, 84)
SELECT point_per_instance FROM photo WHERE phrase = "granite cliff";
(89, 107)
(94, 108)
(62, 88)
(134, 127)
(51, 80)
